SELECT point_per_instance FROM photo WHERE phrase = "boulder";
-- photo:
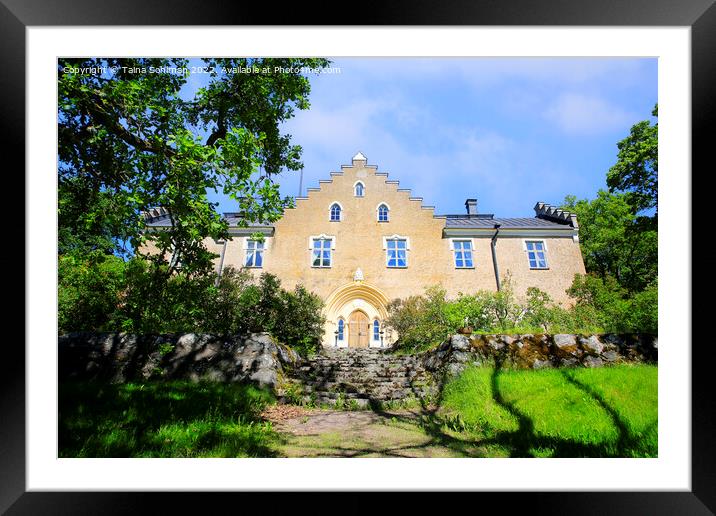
(592, 361)
(265, 377)
(541, 364)
(507, 339)
(460, 342)
(493, 342)
(591, 345)
(564, 340)
(610, 356)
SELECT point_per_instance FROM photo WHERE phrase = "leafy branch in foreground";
(131, 141)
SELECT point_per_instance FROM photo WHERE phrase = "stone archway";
(346, 301)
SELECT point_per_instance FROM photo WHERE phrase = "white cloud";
(460, 162)
(576, 113)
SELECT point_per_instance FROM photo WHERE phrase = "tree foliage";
(637, 168)
(131, 140)
(613, 307)
(613, 242)
(106, 293)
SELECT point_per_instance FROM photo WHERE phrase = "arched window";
(341, 327)
(383, 213)
(359, 189)
(376, 330)
(335, 212)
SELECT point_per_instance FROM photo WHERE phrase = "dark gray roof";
(158, 222)
(505, 223)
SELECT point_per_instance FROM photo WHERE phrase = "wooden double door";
(358, 330)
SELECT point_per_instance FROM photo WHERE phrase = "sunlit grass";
(610, 411)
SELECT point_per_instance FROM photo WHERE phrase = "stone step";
(360, 375)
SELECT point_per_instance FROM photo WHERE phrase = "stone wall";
(360, 374)
(540, 351)
(122, 357)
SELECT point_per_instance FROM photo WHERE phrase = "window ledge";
(468, 268)
(539, 268)
(396, 267)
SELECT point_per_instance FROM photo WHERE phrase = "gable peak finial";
(360, 157)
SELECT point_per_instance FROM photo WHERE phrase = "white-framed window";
(335, 212)
(462, 252)
(322, 251)
(383, 213)
(536, 254)
(396, 251)
(376, 330)
(254, 253)
(359, 189)
(341, 329)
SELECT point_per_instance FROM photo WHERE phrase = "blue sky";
(507, 131)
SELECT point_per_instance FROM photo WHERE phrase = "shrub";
(420, 321)
(233, 296)
(601, 306)
(137, 296)
(644, 313)
(506, 312)
(470, 310)
(612, 306)
(88, 290)
(300, 322)
(155, 301)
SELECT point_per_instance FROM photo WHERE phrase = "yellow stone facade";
(358, 284)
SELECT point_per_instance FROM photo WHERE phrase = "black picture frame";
(699, 15)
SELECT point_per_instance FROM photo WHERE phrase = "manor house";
(360, 241)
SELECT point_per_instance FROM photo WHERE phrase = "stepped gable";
(360, 161)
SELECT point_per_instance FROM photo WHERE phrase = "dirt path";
(334, 433)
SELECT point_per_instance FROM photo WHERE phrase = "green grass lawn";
(163, 419)
(604, 412)
(578, 412)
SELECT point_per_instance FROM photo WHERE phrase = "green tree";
(637, 167)
(613, 243)
(130, 140)
(613, 307)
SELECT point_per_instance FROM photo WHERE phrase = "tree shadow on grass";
(427, 417)
(628, 442)
(522, 441)
(162, 419)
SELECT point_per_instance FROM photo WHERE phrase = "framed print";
(676, 42)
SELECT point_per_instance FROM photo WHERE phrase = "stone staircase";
(363, 375)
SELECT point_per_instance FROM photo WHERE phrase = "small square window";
(254, 254)
(321, 252)
(463, 254)
(536, 254)
(397, 253)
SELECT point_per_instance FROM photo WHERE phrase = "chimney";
(471, 206)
